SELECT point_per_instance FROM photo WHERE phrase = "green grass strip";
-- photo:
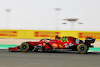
(94, 49)
(6, 45)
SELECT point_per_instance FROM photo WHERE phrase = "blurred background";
(49, 15)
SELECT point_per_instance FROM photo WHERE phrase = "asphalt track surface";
(48, 59)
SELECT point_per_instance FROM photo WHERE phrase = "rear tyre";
(82, 48)
(24, 47)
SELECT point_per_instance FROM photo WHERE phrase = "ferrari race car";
(65, 42)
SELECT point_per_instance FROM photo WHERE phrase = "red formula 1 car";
(66, 42)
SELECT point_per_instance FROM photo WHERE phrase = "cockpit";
(45, 40)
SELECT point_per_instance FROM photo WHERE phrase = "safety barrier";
(38, 34)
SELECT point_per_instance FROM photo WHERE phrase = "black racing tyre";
(24, 47)
(82, 48)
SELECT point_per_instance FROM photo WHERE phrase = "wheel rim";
(24, 47)
(82, 48)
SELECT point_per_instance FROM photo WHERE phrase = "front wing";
(14, 48)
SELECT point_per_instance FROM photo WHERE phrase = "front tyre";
(82, 48)
(24, 47)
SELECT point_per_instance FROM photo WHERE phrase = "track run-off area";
(48, 59)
